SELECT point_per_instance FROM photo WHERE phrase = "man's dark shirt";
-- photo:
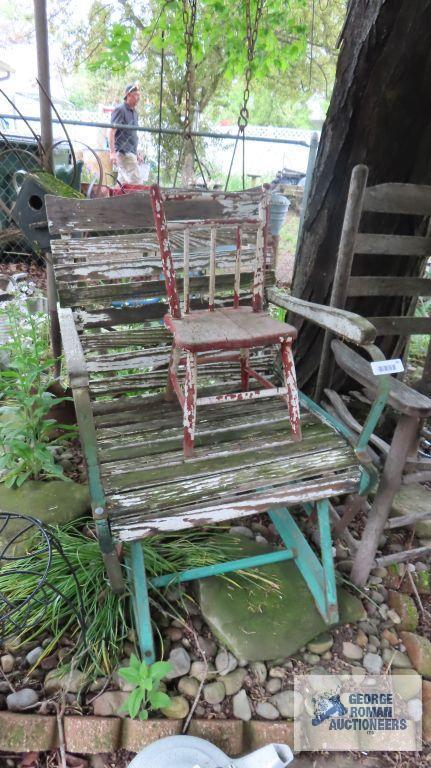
(125, 141)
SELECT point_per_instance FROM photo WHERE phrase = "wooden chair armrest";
(349, 326)
(73, 352)
(402, 398)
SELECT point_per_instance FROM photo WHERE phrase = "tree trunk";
(380, 115)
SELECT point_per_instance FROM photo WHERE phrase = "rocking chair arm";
(401, 397)
(349, 326)
(73, 352)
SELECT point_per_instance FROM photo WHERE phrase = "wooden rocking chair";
(215, 331)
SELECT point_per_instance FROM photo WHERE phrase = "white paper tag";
(387, 366)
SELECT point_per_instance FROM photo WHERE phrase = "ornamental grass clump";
(98, 650)
(27, 435)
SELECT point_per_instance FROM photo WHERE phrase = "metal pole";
(164, 131)
(41, 27)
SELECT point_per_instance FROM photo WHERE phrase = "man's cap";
(130, 88)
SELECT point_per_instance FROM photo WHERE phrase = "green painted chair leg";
(308, 563)
(141, 603)
(327, 560)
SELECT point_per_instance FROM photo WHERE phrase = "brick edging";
(95, 735)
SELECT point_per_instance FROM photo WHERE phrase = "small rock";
(70, 682)
(414, 708)
(23, 699)
(202, 671)
(377, 597)
(258, 669)
(177, 709)
(234, 680)
(7, 663)
(261, 539)
(128, 649)
(241, 706)
(225, 662)
(419, 652)
(278, 672)
(393, 616)
(352, 652)
(311, 658)
(374, 640)
(380, 571)
(241, 530)
(207, 646)
(367, 627)
(321, 644)
(98, 684)
(273, 685)
(327, 656)
(396, 659)
(373, 663)
(198, 623)
(175, 634)
(214, 693)
(345, 566)
(285, 703)
(200, 711)
(180, 660)
(188, 686)
(391, 637)
(267, 711)
(375, 580)
(361, 639)
(259, 528)
(371, 648)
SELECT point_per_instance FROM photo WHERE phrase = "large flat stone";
(261, 624)
(51, 502)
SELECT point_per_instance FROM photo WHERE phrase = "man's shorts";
(128, 170)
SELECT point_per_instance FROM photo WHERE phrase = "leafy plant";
(146, 694)
(26, 434)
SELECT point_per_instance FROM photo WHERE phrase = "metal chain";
(189, 21)
(252, 30)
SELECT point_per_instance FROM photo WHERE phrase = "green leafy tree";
(295, 57)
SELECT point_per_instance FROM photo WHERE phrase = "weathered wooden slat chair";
(218, 330)
(245, 460)
(352, 280)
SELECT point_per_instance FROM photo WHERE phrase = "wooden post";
(404, 435)
(346, 252)
(314, 143)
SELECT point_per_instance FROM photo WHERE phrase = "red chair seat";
(227, 328)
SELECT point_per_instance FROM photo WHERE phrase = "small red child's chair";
(217, 330)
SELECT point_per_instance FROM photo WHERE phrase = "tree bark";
(380, 115)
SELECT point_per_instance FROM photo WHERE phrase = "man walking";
(123, 142)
